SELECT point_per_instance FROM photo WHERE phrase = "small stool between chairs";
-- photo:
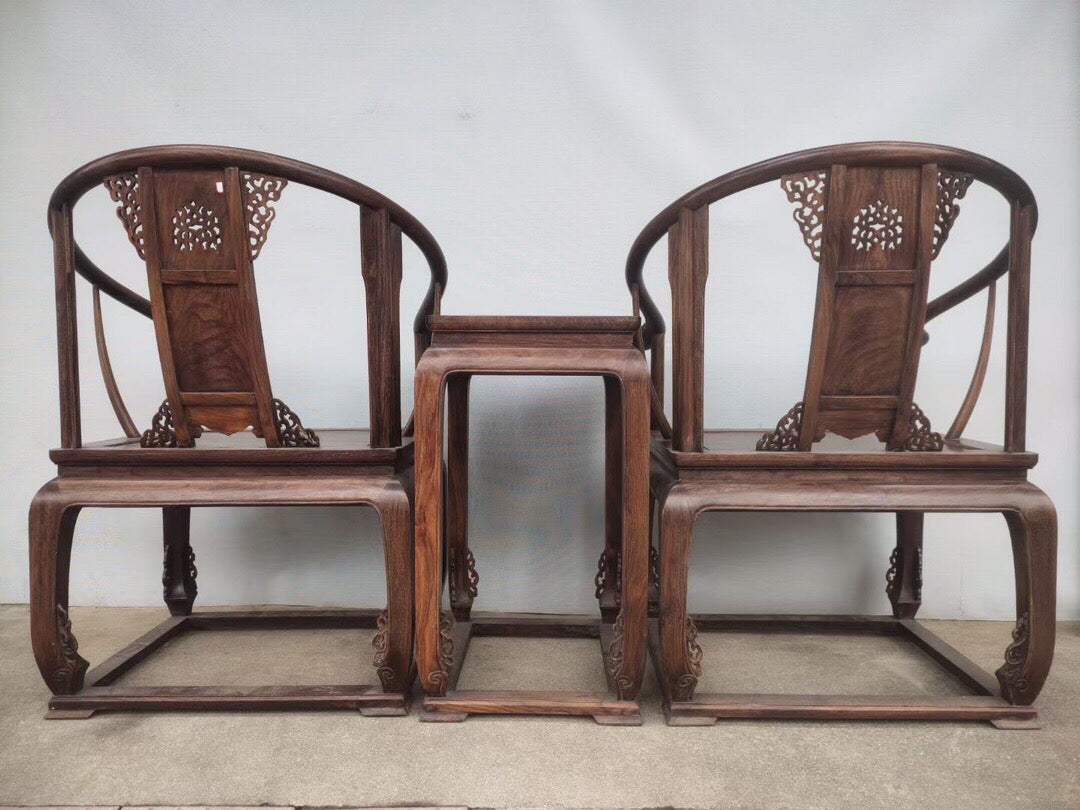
(463, 347)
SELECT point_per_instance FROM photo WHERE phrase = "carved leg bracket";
(609, 578)
(682, 687)
(903, 580)
(463, 580)
(178, 569)
(68, 678)
(624, 683)
(440, 678)
(381, 644)
(1009, 674)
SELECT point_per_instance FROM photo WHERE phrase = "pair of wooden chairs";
(873, 216)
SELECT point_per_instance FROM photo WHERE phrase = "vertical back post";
(67, 339)
(688, 268)
(1016, 352)
(380, 243)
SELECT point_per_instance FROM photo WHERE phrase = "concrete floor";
(340, 758)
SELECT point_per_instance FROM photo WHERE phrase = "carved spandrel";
(785, 436)
(808, 192)
(920, 437)
(952, 186)
(291, 430)
(124, 189)
(162, 432)
(260, 192)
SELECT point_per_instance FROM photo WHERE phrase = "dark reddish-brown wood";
(199, 216)
(461, 348)
(873, 216)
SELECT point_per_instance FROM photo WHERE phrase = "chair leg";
(432, 658)
(1033, 527)
(903, 582)
(52, 526)
(679, 651)
(178, 578)
(462, 576)
(393, 640)
(609, 567)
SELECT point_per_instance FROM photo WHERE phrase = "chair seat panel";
(737, 448)
(338, 446)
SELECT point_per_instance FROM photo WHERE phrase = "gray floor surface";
(340, 758)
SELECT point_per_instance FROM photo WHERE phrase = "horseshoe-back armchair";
(873, 217)
(199, 216)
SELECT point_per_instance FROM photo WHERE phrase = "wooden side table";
(465, 346)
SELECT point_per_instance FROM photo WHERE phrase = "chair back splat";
(199, 217)
(873, 216)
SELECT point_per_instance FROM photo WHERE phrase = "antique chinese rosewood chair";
(199, 217)
(873, 216)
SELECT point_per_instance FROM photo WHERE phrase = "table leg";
(430, 653)
(627, 656)
(463, 579)
(609, 567)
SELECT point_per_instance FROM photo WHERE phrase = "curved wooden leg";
(393, 640)
(178, 576)
(903, 582)
(608, 573)
(462, 576)
(679, 652)
(432, 660)
(1033, 527)
(52, 525)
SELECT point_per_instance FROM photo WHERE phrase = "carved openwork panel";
(809, 193)
(196, 227)
(877, 226)
(195, 230)
(877, 216)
